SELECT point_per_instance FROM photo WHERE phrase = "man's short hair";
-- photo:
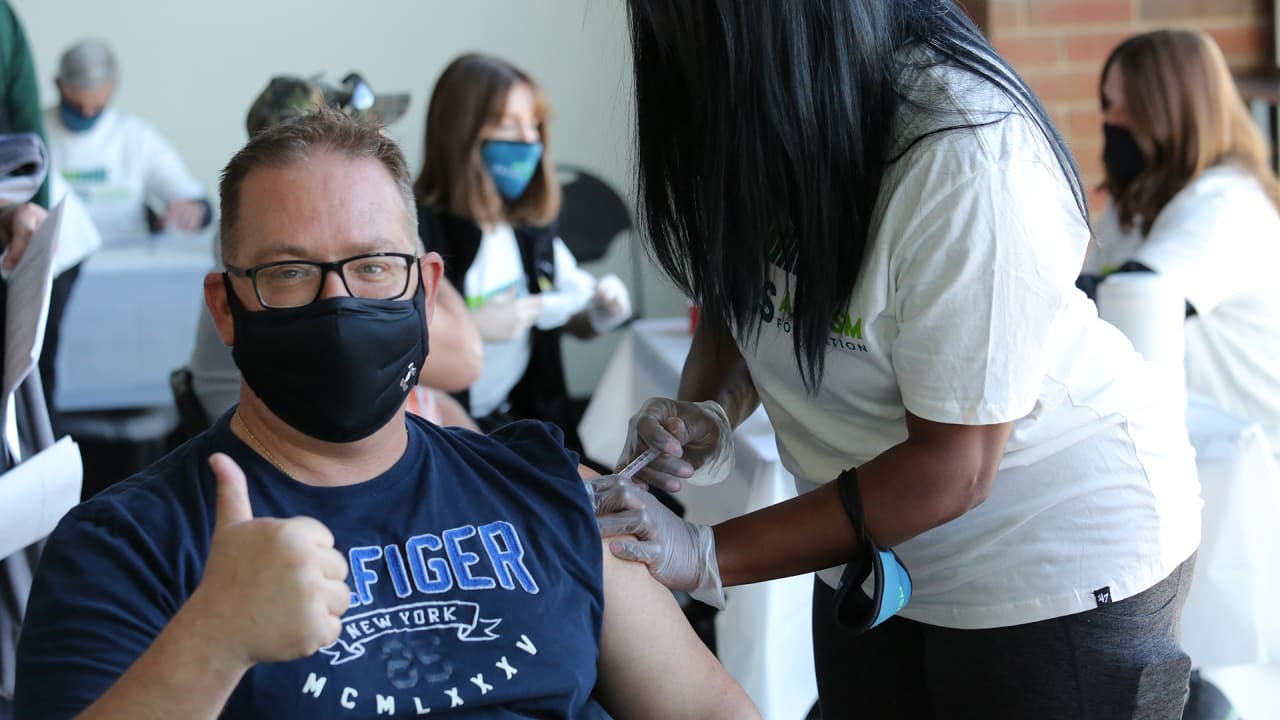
(87, 65)
(300, 138)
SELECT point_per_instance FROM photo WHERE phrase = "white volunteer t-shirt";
(497, 274)
(1219, 241)
(966, 312)
(118, 167)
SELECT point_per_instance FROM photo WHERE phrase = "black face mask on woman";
(1121, 154)
(337, 369)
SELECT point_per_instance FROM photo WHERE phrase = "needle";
(638, 464)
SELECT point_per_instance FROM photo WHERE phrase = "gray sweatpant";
(1120, 660)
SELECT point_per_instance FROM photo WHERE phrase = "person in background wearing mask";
(1192, 197)
(487, 201)
(319, 553)
(215, 380)
(130, 179)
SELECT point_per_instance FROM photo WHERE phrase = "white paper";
(36, 494)
(26, 309)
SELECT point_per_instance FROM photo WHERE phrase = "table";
(130, 321)
(1230, 617)
(763, 635)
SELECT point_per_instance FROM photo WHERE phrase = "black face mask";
(337, 369)
(1121, 154)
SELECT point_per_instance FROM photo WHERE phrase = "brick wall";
(1059, 47)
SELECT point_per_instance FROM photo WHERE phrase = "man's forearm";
(716, 370)
(183, 674)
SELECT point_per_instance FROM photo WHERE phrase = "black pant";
(58, 298)
(1120, 660)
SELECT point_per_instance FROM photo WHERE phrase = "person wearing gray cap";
(130, 176)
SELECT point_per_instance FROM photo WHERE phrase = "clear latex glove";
(610, 305)
(679, 554)
(695, 438)
(183, 215)
(506, 319)
(571, 292)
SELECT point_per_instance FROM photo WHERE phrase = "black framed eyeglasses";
(294, 283)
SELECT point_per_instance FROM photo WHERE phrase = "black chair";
(592, 214)
(192, 419)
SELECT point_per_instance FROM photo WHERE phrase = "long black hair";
(764, 130)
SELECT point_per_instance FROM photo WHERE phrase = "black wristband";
(851, 499)
(855, 609)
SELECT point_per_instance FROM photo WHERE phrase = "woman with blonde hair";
(1193, 199)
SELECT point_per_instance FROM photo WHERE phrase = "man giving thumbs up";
(286, 571)
(318, 554)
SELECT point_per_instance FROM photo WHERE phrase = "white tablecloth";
(763, 634)
(1230, 617)
(130, 321)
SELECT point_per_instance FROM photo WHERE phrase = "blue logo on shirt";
(432, 564)
(467, 558)
(357, 630)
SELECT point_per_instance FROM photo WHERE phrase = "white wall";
(193, 68)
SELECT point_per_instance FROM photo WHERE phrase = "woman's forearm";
(716, 370)
(939, 473)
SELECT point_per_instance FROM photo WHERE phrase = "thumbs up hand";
(273, 588)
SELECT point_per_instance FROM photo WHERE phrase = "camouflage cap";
(284, 98)
(355, 97)
(288, 97)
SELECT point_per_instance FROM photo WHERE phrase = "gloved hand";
(695, 437)
(680, 555)
(183, 215)
(506, 317)
(610, 306)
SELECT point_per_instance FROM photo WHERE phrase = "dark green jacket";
(20, 104)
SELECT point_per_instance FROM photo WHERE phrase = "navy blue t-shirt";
(475, 579)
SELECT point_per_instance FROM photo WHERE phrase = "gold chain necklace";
(265, 452)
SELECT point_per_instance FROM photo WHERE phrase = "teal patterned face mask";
(511, 164)
(75, 120)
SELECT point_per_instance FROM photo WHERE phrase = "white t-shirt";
(1219, 241)
(497, 274)
(118, 167)
(966, 312)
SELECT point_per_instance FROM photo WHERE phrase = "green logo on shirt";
(93, 175)
(845, 328)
